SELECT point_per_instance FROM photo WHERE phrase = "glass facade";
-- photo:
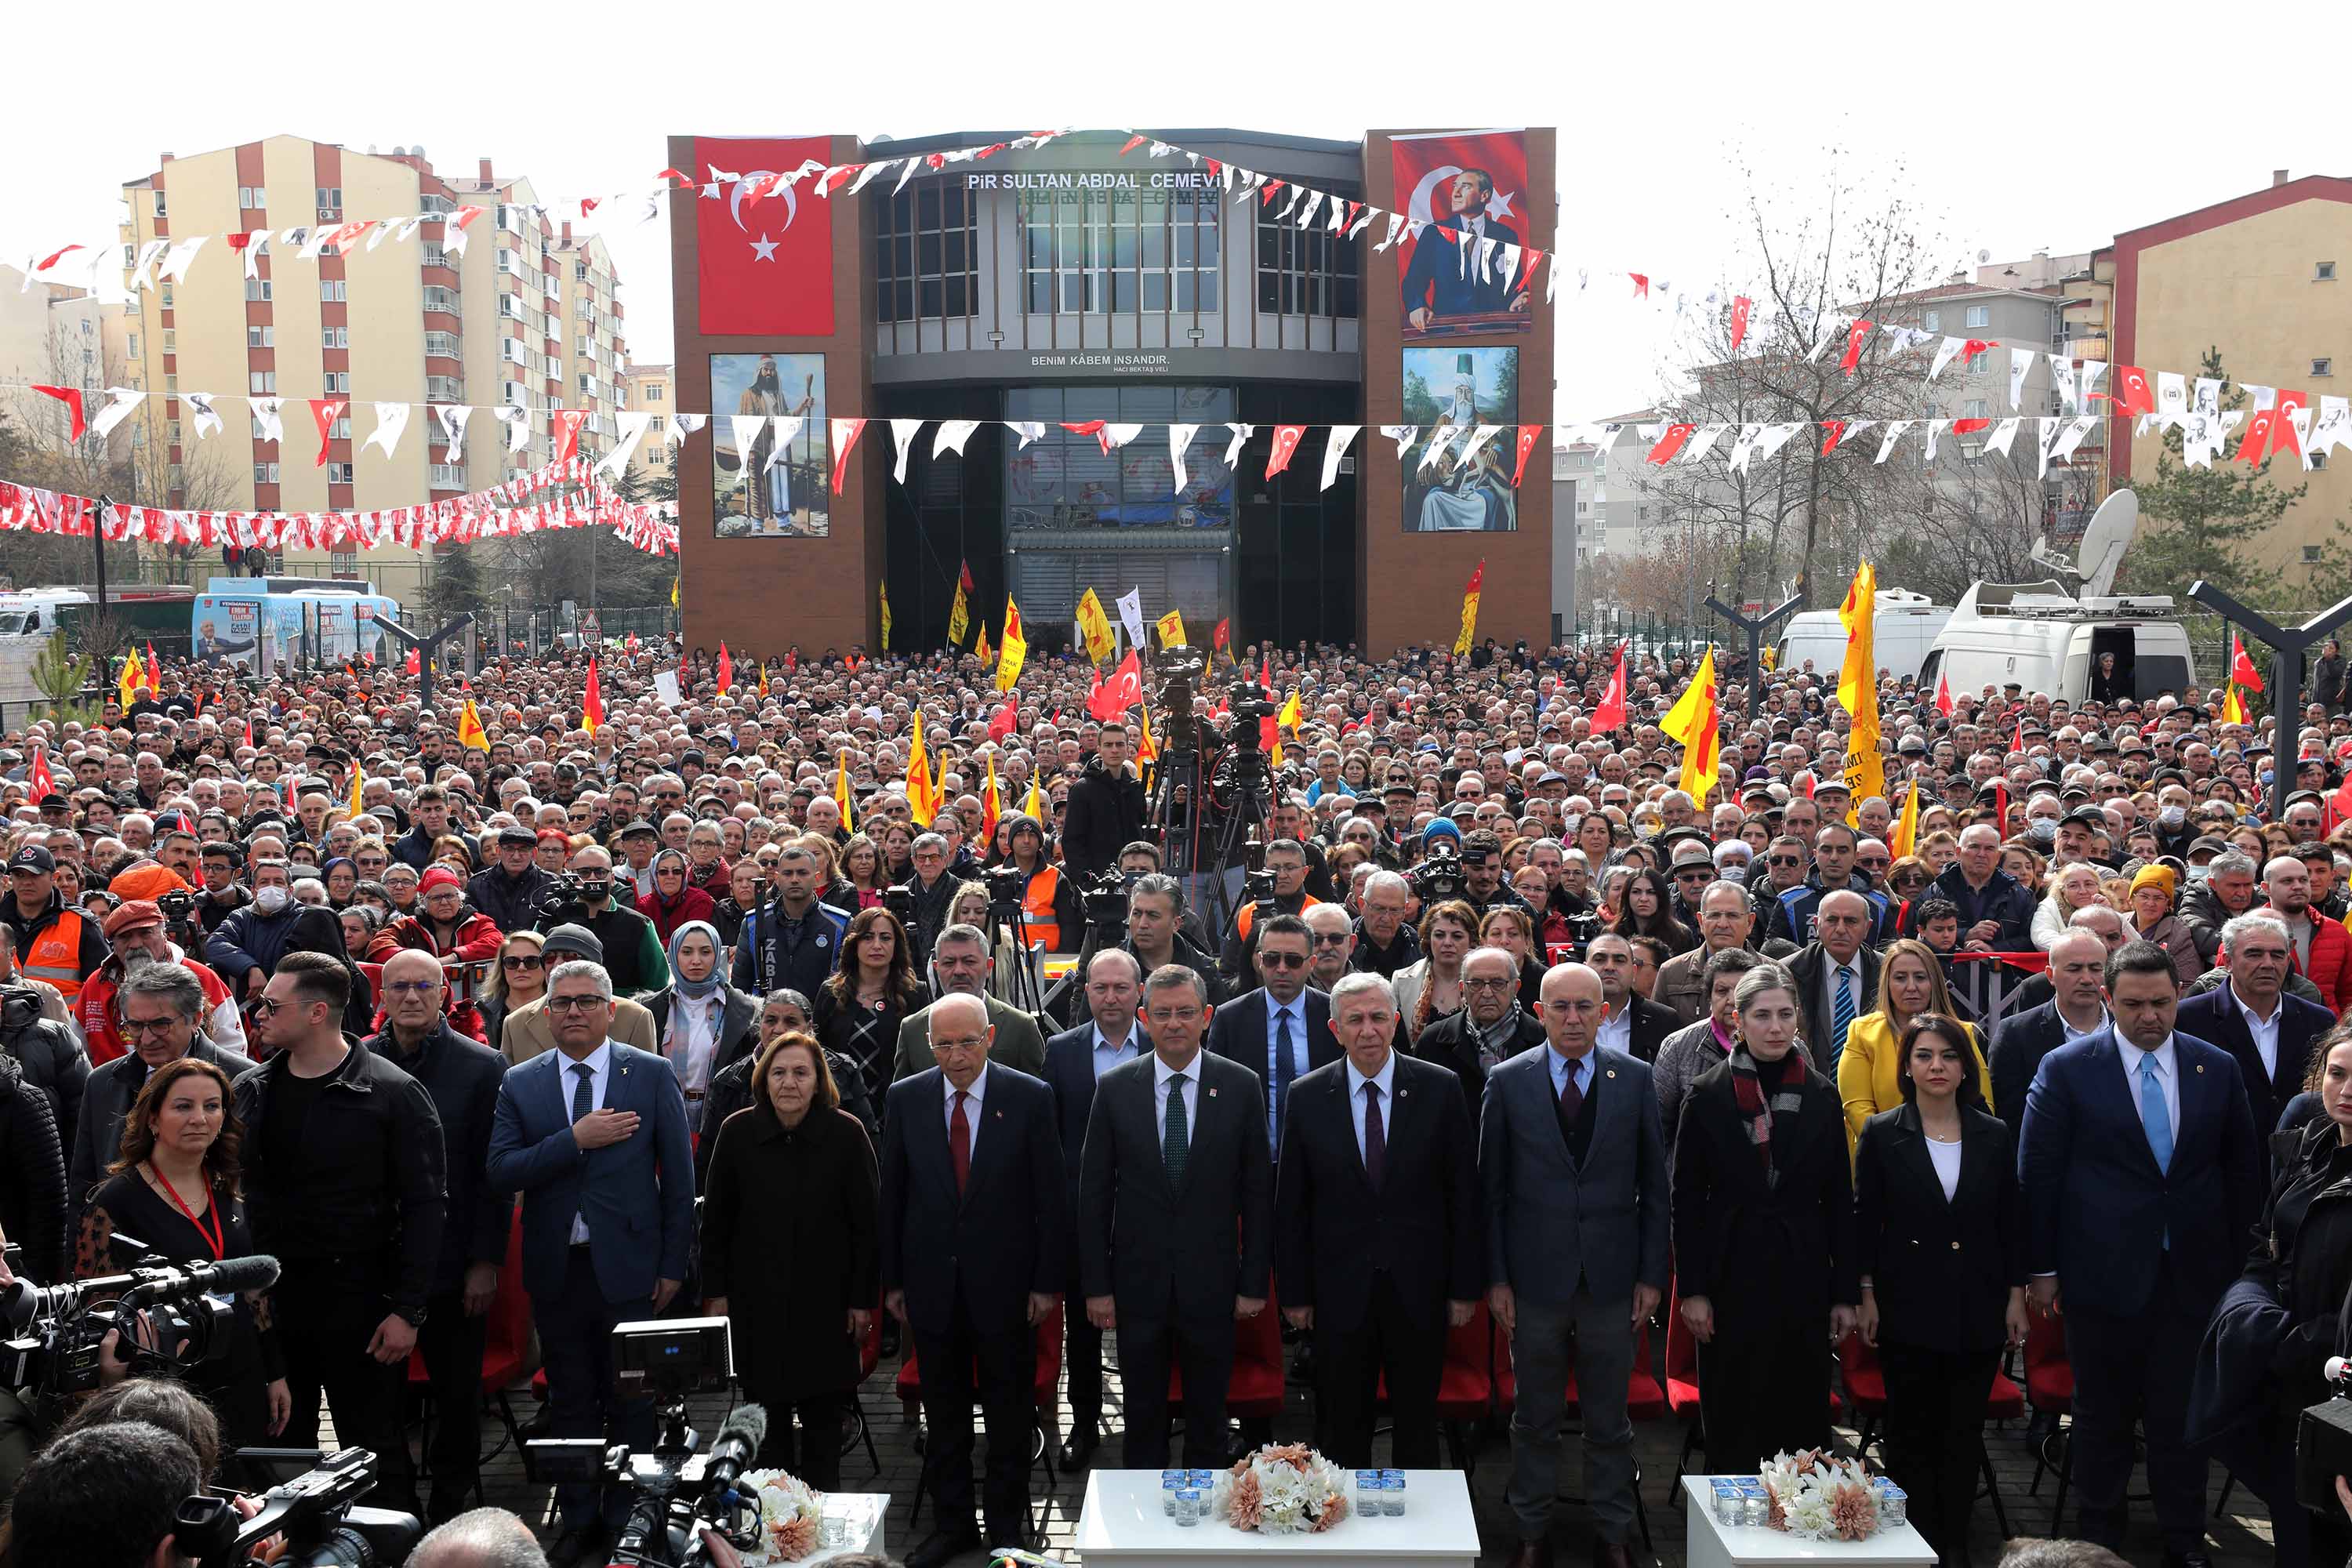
(1064, 480)
(1097, 251)
(927, 253)
(1307, 271)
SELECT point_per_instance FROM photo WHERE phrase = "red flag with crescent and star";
(763, 240)
(1611, 714)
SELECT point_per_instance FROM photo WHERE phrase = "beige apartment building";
(526, 316)
(652, 389)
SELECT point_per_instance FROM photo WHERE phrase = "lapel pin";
(2200, 1067)
(1613, 1072)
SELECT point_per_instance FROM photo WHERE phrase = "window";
(171, 383)
(171, 341)
(2311, 554)
(2319, 459)
(1974, 408)
(258, 433)
(334, 337)
(437, 297)
(166, 291)
(444, 344)
(256, 291)
(330, 201)
(337, 380)
(434, 256)
(2323, 366)
(261, 337)
(332, 292)
(1304, 272)
(511, 350)
(448, 477)
(1583, 506)
(444, 389)
(509, 261)
(1086, 251)
(654, 391)
(339, 473)
(2322, 272)
(160, 209)
(1064, 480)
(130, 345)
(927, 253)
(510, 307)
(249, 196)
(1977, 362)
(436, 203)
(1932, 322)
(340, 430)
(1979, 316)
(260, 382)
(265, 473)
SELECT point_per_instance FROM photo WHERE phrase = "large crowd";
(1512, 1052)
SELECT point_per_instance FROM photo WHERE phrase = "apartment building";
(651, 389)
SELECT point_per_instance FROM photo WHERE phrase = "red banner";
(764, 251)
(1475, 182)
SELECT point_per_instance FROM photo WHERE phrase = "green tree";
(60, 678)
(2209, 520)
(456, 587)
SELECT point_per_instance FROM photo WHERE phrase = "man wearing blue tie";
(1281, 1031)
(2142, 1176)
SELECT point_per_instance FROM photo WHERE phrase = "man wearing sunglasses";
(1282, 1030)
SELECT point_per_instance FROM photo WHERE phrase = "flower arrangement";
(1283, 1488)
(1815, 1497)
(788, 1514)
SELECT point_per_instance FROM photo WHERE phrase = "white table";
(1710, 1545)
(1121, 1523)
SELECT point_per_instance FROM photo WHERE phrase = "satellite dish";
(2104, 540)
(1983, 257)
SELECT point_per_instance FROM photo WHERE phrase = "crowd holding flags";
(1866, 772)
(1693, 722)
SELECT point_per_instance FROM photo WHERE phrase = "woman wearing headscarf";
(700, 1016)
(672, 903)
(341, 878)
(2153, 920)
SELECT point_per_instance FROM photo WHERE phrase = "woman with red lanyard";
(174, 1188)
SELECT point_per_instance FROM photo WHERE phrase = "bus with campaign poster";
(257, 625)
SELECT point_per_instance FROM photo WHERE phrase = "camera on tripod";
(54, 1332)
(675, 1489)
(1441, 876)
(1006, 885)
(1180, 670)
(316, 1511)
(1105, 898)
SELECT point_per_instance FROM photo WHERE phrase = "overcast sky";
(2014, 129)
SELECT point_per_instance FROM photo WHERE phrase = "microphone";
(735, 1448)
(2336, 1368)
(229, 1277)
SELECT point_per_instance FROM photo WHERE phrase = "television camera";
(171, 1319)
(675, 1489)
(316, 1509)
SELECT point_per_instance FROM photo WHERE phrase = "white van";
(2042, 638)
(1903, 630)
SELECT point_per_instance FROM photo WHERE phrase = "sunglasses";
(1784, 861)
(522, 961)
(1282, 960)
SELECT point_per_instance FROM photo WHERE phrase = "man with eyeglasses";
(135, 931)
(592, 1134)
(1385, 940)
(1834, 870)
(1286, 859)
(463, 1077)
(1334, 937)
(1490, 1028)
(1726, 920)
(158, 1011)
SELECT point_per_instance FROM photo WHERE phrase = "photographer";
(1154, 935)
(136, 929)
(1049, 900)
(108, 1497)
(1483, 888)
(1105, 807)
(632, 950)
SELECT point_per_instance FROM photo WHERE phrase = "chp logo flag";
(1471, 181)
(763, 248)
(959, 613)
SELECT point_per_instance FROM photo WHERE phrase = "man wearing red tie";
(975, 1220)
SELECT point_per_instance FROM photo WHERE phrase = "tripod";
(1007, 916)
(1242, 838)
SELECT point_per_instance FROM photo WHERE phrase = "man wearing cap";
(506, 891)
(638, 843)
(135, 932)
(55, 943)
(527, 1031)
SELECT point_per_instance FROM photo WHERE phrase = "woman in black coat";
(791, 1250)
(32, 1174)
(1763, 1230)
(1940, 1245)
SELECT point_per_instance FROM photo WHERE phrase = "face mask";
(2042, 830)
(595, 893)
(1733, 874)
(2172, 816)
(269, 900)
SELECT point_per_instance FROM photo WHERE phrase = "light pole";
(1755, 629)
(2286, 645)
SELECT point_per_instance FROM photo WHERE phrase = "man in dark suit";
(1176, 1169)
(974, 1221)
(2142, 1176)
(2251, 1015)
(1282, 1030)
(1574, 1167)
(592, 1134)
(1631, 1023)
(1491, 1027)
(1835, 972)
(1378, 1247)
(1075, 1060)
(2078, 973)
(1437, 283)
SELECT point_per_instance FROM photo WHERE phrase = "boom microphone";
(735, 1448)
(229, 1277)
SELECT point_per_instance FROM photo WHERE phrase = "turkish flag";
(1740, 306)
(763, 249)
(1286, 442)
(1001, 722)
(1944, 695)
(1530, 435)
(1611, 714)
(38, 782)
(2242, 665)
(1429, 172)
(1099, 706)
(1125, 689)
(2137, 395)
(1671, 442)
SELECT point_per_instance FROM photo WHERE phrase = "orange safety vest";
(55, 956)
(1037, 908)
(1247, 916)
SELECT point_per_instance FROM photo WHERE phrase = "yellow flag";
(1906, 827)
(886, 621)
(1692, 720)
(1147, 749)
(1096, 627)
(1171, 629)
(1034, 806)
(919, 795)
(1470, 610)
(2233, 709)
(133, 678)
(959, 613)
(841, 795)
(981, 648)
(359, 780)
(469, 728)
(1015, 648)
(993, 806)
(1289, 718)
(1865, 770)
(672, 592)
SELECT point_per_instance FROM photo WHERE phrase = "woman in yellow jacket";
(1910, 981)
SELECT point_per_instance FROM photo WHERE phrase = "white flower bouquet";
(789, 1512)
(1281, 1489)
(1815, 1497)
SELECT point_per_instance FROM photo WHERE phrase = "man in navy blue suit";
(1074, 1061)
(1436, 281)
(592, 1134)
(2142, 1176)
(974, 1227)
(1281, 1031)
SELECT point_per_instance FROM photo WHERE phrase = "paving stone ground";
(2238, 1537)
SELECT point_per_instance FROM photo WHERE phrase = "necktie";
(1376, 1143)
(1175, 1137)
(1841, 1019)
(2154, 1115)
(1283, 1073)
(960, 1142)
(584, 1091)
(1571, 1099)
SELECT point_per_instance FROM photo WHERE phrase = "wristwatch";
(412, 1316)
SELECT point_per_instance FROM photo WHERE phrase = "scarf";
(696, 990)
(1762, 1091)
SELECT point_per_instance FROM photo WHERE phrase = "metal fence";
(535, 629)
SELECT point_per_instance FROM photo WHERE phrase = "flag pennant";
(1740, 307)
(324, 411)
(1529, 437)
(845, 433)
(2020, 362)
(2133, 394)
(1856, 335)
(1833, 432)
(453, 417)
(391, 420)
(119, 402)
(902, 434)
(1242, 433)
(565, 424)
(951, 434)
(1286, 444)
(1179, 441)
(1670, 443)
(71, 397)
(1611, 714)
(1335, 448)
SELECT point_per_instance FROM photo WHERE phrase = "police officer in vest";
(1049, 900)
(55, 943)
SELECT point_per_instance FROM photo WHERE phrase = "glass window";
(927, 252)
(1065, 479)
(1306, 272)
(1979, 316)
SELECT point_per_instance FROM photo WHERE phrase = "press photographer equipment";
(54, 1332)
(2323, 1432)
(1009, 918)
(1233, 791)
(316, 1511)
(675, 1491)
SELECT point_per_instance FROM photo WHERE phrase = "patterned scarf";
(1762, 1091)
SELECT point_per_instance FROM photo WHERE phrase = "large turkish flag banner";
(1472, 179)
(765, 262)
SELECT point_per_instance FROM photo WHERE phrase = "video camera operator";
(1483, 888)
(1105, 808)
(106, 1496)
(589, 898)
(221, 894)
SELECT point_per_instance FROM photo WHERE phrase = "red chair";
(2050, 1385)
(1043, 1388)
(1258, 1383)
(505, 1349)
(869, 1356)
(1865, 1387)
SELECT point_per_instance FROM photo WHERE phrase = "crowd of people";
(2034, 1049)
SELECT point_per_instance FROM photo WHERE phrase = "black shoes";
(1079, 1446)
